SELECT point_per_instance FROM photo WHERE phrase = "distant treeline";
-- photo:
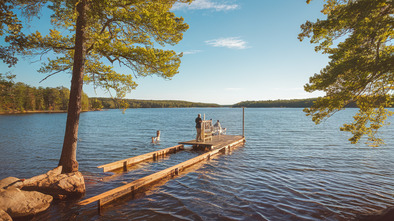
(294, 103)
(19, 97)
(109, 103)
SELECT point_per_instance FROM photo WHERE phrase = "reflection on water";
(289, 168)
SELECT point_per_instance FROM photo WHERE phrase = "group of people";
(198, 120)
(198, 127)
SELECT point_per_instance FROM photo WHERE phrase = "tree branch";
(50, 75)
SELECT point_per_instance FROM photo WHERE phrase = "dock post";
(99, 207)
(132, 192)
(125, 165)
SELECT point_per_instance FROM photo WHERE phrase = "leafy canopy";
(361, 64)
(10, 25)
(118, 32)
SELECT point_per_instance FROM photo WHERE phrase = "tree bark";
(68, 158)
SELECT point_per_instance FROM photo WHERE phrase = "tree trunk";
(68, 158)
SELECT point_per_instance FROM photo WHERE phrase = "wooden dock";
(216, 145)
(215, 142)
(137, 159)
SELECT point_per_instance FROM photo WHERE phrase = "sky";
(233, 51)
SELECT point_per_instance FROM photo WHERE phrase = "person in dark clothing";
(198, 128)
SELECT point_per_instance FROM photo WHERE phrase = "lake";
(288, 169)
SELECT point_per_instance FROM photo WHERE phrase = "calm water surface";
(289, 168)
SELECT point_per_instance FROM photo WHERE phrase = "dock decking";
(217, 141)
(216, 145)
(137, 159)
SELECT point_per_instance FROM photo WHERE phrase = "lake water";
(288, 169)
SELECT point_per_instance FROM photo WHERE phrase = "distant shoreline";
(106, 109)
(38, 112)
(32, 112)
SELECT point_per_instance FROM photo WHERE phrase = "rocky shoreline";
(27, 197)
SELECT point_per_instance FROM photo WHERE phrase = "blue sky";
(234, 50)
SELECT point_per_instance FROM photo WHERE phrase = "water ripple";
(289, 168)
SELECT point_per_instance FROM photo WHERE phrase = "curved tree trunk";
(68, 158)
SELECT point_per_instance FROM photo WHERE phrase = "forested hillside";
(20, 97)
(277, 103)
(109, 103)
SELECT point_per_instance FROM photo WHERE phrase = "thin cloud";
(206, 4)
(191, 52)
(232, 43)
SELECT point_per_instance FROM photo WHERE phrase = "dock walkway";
(215, 142)
(138, 159)
(216, 145)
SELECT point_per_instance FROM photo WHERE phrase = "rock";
(53, 183)
(33, 197)
(56, 184)
(4, 216)
(19, 203)
(9, 181)
(32, 181)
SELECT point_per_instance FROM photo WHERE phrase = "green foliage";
(19, 97)
(117, 32)
(10, 26)
(85, 102)
(361, 64)
(96, 104)
(294, 103)
(6, 97)
(109, 103)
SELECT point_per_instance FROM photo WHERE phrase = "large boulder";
(19, 203)
(4, 216)
(56, 184)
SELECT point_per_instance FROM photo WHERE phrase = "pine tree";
(361, 64)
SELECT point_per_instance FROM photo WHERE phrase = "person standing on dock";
(198, 128)
(217, 125)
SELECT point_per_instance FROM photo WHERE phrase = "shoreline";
(32, 112)
(38, 112)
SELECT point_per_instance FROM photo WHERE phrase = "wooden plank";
(222, 141)
(137, 159)
(215, 142)
(113, 194)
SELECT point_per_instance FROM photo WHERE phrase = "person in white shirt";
(157, 138)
